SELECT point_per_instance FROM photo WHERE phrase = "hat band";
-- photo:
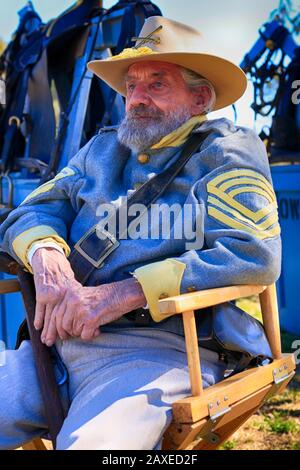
(148, 38)
(130, 53)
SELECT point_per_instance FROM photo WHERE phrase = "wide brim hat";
(165, 40)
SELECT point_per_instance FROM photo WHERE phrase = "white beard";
(138, 135)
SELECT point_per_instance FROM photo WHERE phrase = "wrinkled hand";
(65, 308)
(92, 307)
(53, 277)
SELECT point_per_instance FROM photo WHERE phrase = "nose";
(138, 96)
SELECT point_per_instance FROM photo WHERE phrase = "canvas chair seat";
(208, 417)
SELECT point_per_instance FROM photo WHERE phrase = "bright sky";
(229, 26)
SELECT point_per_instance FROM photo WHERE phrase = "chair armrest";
(7, 286)
(8, 264)
(206, 298)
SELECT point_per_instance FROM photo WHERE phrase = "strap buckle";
(104, 253)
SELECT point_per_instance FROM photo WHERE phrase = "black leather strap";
(140, 317)
(91, 250)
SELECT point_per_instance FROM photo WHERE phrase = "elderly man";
(126, 361)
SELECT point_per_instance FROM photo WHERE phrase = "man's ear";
(201, 97)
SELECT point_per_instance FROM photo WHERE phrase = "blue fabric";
(238, 331)
(105, 171)
(122, 386)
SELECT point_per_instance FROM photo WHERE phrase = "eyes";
(130, 87)
(154, 86)
(157, 85)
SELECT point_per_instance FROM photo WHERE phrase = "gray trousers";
(121, 389)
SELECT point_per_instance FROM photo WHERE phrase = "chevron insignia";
(46, 187)
(225, 208)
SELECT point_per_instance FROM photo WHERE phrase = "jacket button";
(137, 185)
(143, 158)
(164, 295)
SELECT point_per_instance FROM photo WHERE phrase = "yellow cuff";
(23, 242)
(160, 280)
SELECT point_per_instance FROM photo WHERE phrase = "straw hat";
(165, 40)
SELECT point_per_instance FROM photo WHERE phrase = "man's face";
(156, 86)
(158, 101)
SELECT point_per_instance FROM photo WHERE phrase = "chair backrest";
(268, 302)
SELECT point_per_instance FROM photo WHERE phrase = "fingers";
(53, 323)
(52, 277)
(53, 326)
(59, 314)
(51, 334)
(67, 311)
(77, 327)
(88, 332)
(40, 311)
(96, 332)
(69, 319)
(48, 312)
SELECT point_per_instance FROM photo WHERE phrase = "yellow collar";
(179, 136)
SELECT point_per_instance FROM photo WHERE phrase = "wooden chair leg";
(251, 405)
(192, 349)
(269, 309)
(226, 431)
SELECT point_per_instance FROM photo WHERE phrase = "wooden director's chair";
(206, 419)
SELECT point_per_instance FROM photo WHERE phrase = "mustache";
(142, 111)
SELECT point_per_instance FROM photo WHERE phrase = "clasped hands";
(65, 308)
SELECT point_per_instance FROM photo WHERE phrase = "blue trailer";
(286, 179)
(274, 63)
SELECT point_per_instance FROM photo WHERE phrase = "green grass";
(229, 445)
(251, 306)
(295, 446)
(279, 424)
